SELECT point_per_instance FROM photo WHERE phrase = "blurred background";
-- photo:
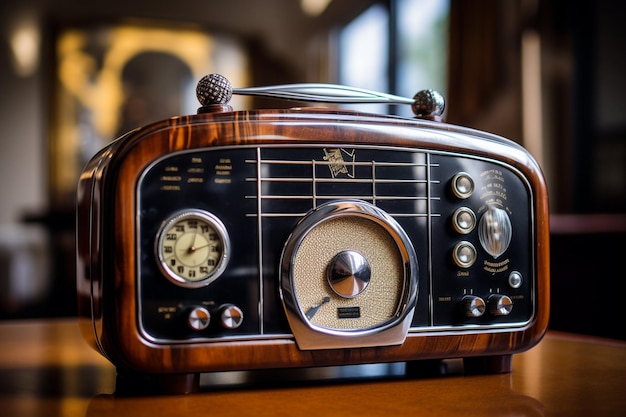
(548, 74)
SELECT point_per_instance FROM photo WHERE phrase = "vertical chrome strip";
(429, 228)
(259, 219)
(374, 182)
(314, 183)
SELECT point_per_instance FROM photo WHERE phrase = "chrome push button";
(463, 220)
(464, 254)
(462, 185)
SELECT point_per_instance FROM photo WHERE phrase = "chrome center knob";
(348, 273)
(495, 231)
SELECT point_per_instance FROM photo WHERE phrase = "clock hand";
(201, 247)
(193, 248)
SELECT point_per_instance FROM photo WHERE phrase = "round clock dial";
(192, 248)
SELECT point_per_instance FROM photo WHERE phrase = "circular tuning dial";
(348, 277)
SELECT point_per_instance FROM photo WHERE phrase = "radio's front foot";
(424, 368)
(132, 384)
(481, 365)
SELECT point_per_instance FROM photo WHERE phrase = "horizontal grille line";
(328, 163)
(341, 180)
(334, 197)
(417, 215)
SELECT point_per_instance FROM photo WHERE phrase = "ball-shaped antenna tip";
(214, 89)
(428, 103)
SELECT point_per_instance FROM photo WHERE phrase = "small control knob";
(462, 185)
(474, 306)
(231, 316)
(515, 279)
(464, 254)
(199, 318)
(500, 305)
(495, 231)
(463, 220)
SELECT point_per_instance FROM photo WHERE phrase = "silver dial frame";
(310, 336)
(223, 236)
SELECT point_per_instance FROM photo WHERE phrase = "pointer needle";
(193, 248)
(313, 310)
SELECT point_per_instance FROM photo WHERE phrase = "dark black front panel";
(213, 181)
(493, 186)
(261, 193)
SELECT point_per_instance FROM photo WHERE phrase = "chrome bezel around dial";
(217, 225)
(391, 332)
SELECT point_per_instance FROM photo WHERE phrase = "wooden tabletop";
(46, 369)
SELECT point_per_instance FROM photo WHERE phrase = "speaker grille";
(380, 300)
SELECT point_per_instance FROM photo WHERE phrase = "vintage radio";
(240, 240)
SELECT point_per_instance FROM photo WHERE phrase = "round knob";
(495, 231)
(231, 316)
(199, 318)
(474, 306)
(464, 254)
(428, 103)
(463, 220)
(348, 273)
(515, 279)
(500, 305)
(462, 185)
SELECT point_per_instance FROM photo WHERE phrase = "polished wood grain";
(46, 369)
(107, 289)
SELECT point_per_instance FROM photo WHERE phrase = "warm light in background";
(532, 108)
(95, 102)
(314, 7)
(24, 41)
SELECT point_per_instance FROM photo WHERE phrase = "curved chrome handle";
(215, 89)
(326, 93)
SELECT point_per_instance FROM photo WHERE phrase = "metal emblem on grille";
(337, 163)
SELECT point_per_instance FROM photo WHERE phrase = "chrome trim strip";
(429, 233)
(260, 240)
